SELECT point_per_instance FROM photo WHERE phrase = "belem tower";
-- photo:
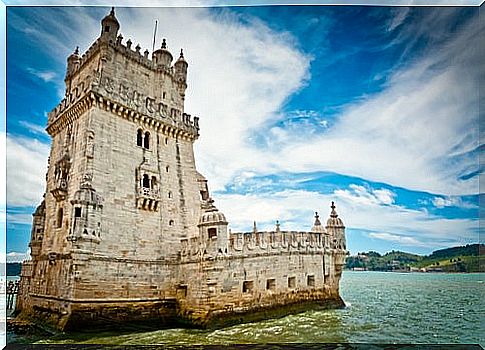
(128, 231)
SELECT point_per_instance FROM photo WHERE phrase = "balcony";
(60, 190)
(148, 198)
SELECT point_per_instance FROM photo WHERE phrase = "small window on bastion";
(106, 29)
(212, 232)
(271, 284)
(291, 282)
(310, 281)
(248, 286)
(170, 223)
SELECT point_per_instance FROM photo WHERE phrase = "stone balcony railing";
(60, 190)
(149, 192)
(148, 198)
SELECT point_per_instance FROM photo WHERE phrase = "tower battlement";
(128, 230)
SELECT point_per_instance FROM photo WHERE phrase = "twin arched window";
(147, 183)
(143, 140)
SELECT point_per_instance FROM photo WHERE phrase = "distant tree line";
(457, 259)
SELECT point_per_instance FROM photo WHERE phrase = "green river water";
(381, 308)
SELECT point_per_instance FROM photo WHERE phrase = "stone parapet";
(259, 243)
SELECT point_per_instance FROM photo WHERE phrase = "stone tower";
(128, 231)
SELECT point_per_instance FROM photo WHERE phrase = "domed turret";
(73, 62)
(317, 225)
(110, 26)
(181, 68)
(334, 220)
(162, 57)
(336, 229)
(211, 215)
(213, 229)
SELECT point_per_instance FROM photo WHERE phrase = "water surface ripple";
(381, 308)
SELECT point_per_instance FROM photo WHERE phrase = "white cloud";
(34, 128)
(18, 257)
(367, 196)
(399, 17)
(359, 207)
(26, 169)
(404, 240)
(414, 134)
(46, 76)
(442, 202)
(19, 218)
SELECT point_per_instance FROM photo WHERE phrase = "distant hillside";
(457, 259)
(13, 269)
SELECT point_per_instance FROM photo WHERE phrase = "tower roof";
(334, 220)
(110, 17)
(212, 216)
(317, 225)
(181, 58)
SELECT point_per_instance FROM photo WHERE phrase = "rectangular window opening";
(77, 212)
(291, 282)
(311, 281)
(248, 286)
(212, 232)
(271, 284)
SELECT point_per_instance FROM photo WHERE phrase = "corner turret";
(335, 227)
(37, 234)
(73, 62)
(109, 27)
(213, 228)
(162, 57)
(181, 68)
(317, 225)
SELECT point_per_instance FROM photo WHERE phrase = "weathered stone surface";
(128, 231)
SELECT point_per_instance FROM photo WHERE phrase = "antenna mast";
(154, 35)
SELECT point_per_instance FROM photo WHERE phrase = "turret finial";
(334, 212)
(164, 43)
(181, 53)
(255, 229)
(112, 12)
(76, 52)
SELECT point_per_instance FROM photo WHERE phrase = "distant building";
(128, 230)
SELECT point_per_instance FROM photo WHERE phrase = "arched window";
(146, 181)
(171, 222)
(146, 141)
(154, 182)
(139, 138)
(60, 214)
(169, 194)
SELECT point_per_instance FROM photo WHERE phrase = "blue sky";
(375, 108)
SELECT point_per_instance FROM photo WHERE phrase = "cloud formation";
(361, 208)
(26, 169)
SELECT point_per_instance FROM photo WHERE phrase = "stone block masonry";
(128, 232)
